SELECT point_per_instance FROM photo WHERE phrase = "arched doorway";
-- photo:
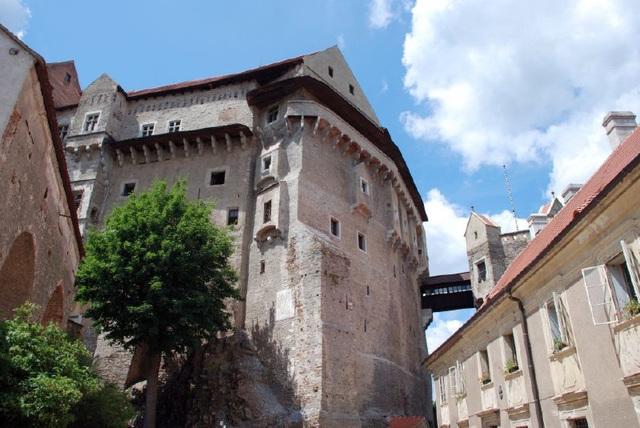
(17, 274)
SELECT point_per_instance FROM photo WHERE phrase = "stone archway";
(17, 274)
(55, 308)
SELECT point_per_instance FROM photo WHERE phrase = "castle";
(326, 218)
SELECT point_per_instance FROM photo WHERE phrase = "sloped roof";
(620, 162)
(448, 278)
(66, 90)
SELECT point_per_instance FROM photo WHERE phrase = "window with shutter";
(599, 294)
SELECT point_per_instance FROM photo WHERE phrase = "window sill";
(623, 325)
(513, 375)
(485, 386)
(564, 352)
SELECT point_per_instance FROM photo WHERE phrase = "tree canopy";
(158, 276)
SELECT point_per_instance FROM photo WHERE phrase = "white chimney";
(569, 191)
(537, 222)
(619, 125)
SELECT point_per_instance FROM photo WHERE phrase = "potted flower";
(631, 309)
(510, 366)
(485, 378)
(558, 344)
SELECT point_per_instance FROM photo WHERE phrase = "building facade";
(557, 339)
(40, 243)
(326, 218)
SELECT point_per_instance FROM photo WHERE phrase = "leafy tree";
(158, 276)
(46, 378)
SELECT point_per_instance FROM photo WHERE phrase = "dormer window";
(174, 126)
(272, 115)
(91, 122)
(147, 129)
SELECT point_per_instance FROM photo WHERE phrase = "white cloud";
(385, 87)
(342, 44)
(446, 246)
(15, 16)
(506, 81)
(440, 330)
(380, 13)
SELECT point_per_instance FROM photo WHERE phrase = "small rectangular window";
(147, 129)
(128, 188)
(510, 354)
(330, 71)
(262, 266)
(364, 186)
(77, 198)
(272, 115)
(64, 130)
(362, 242)
(91, 122)
(579, 423)
(217, 178)
(442, 386)
(485, 367)
(335, 227)
(558, 323)
(481, 271)
(232, 216)
(266, 215)
(174, 126)
(368, 291)
(266, 163)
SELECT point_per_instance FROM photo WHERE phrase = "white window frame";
(85, 121)
(169, 122)
(604, 303)
(563, 321)
(456, 379)
(510, 354)
(442, 386)
(148, 124)
(64, 131)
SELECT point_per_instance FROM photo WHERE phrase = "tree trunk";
(152, 390)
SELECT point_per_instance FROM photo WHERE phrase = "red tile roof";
(408, 422)
(623, 159)
(625, 155)
(66, 90)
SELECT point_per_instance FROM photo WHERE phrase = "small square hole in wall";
(368, 291)
(351, 89)
(262, 266)
(335, 227)
(232, 216)
(217, 178)
(330, 71)
(128, 188)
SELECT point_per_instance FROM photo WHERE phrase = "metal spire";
(513, 205)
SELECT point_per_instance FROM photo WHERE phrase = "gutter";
(530, 366)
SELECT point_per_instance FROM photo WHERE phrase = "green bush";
(46, 378)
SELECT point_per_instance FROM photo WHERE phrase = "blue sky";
(463, 86)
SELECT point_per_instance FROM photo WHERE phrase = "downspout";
(531, 366)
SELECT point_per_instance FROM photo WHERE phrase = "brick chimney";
(569, 191)
(619, 125)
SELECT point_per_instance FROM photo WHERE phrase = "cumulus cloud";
(440, 330)
(447, 248)
(507, 81)
(15, 16)
(380, 13)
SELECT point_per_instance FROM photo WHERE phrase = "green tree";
(158, 276)
(46, 378)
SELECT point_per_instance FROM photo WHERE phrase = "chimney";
(537, 222)
(569, 191)
(619, 125)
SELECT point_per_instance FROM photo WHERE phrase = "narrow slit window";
(262, 266)
(330, 71)
(362, 242)
(335, 227)
(364, 186)
(232, 216)
(351, 89)
(217, 178)
(266, 215)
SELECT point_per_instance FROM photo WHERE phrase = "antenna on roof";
(513, 205)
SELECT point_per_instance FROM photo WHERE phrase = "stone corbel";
(227, 137)
(214, 145)
(134, 155)
(87, 150)
(147, 154)
(243, 141)
(185, 144)
(172, 149)
(120, 157)
(160, 152)
(200, 146)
